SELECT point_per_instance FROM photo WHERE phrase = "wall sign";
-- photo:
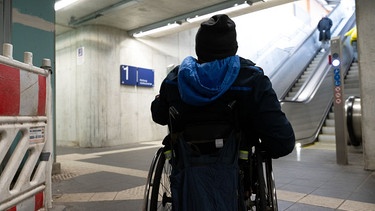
(80, 55)
(136, 76)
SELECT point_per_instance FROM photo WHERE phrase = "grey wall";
(94, 109)
(366, 59)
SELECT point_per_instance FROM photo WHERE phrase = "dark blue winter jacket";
(231, 78)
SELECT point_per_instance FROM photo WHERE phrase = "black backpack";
(205, 172)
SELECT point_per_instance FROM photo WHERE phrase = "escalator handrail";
(349, 121)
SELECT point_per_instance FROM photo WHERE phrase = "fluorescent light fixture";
(236, 7)
(63, 3)
(156, 30)
(199, 18)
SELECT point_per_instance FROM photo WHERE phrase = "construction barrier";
(25, 133)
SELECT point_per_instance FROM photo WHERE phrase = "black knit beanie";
(216, 39)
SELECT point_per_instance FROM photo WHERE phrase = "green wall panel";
(38, 38)
(40, 8)
(39, 42)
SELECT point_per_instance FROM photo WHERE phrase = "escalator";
(287, 70)
(307, 101)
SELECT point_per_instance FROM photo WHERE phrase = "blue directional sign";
(136, 76)
(145, 77)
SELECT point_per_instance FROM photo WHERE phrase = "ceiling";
(140, 15)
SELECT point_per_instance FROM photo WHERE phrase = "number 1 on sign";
(126, 68)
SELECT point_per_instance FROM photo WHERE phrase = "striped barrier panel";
(25, 134)
(35, 202)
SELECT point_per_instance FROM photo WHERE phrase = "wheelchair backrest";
(204, 126)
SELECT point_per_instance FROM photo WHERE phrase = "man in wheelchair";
(215, 106)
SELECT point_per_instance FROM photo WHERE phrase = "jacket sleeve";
(160, 108)
(168, 92)
(275, 130)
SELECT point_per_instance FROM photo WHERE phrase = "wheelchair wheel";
(258, 185)
(265, 184)
(272, 198)
(157, 194)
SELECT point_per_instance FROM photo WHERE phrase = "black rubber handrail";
(349, 121)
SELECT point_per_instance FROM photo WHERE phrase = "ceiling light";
(156, 30)
(236, 7)
(199, 18)
(63, 3)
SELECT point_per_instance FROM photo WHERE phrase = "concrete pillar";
(365, 17)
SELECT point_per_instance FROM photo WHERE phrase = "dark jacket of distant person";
(324, 27)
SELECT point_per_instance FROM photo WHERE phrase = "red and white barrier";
(25, 134)
(21, 93)
(33, 203)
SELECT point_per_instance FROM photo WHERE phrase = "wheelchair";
(256, 188)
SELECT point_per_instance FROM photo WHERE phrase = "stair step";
(323, 138)
(351, 80)
(295, 89)
(351, 76)
(351, 85)
(298, 84)
(310, 69)
(330, 122)
(292, 94)
(330, 146)
(353, 71)
(290, 97)
(328, 130)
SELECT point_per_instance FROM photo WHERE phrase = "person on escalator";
(324, 27)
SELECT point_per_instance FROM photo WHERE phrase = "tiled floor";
(114, 179)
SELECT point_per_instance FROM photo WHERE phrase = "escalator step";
(324, 138)
(328, 130)
(330, 122)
